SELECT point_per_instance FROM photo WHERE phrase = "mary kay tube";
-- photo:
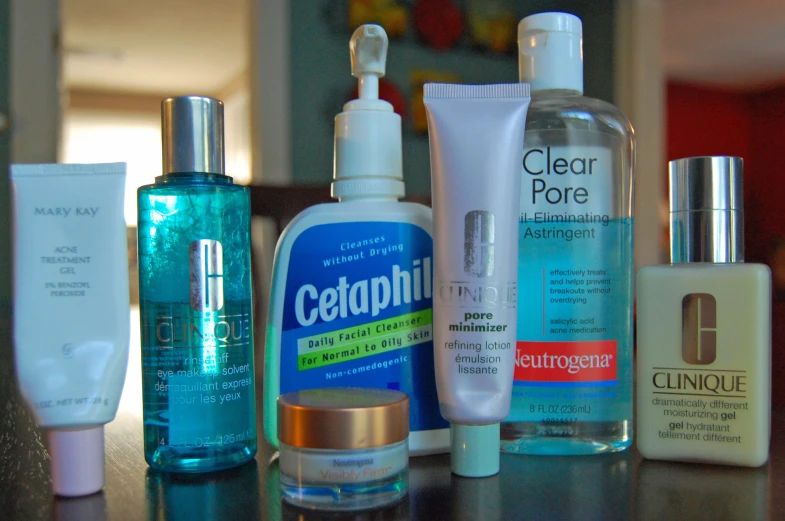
(476, 141)
(71, 310)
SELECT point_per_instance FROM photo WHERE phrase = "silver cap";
(706, 209)
(192, 132)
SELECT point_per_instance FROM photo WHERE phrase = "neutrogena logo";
(479, 230)
(566, 362)
(207, 283)
(699, 328)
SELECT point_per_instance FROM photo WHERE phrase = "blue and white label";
(357, 313)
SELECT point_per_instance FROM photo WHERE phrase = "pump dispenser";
(351, 294)
(704, 328)
(368, 131)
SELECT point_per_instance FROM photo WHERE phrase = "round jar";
(343, 448)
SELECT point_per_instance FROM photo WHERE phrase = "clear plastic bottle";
(195, 300)
(573, 368)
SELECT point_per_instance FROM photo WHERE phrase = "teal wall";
(321, 76)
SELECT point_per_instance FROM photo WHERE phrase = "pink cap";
(77, 461)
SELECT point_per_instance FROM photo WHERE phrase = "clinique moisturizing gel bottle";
(704, 328)
(573, 366)
(195, 299)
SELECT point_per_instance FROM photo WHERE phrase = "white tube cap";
(77, 461)
(550, 49)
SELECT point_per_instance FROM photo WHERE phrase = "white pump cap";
(368, 131)
(77, 461)
(551, 51)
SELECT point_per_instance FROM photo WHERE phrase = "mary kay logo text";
(78, 211)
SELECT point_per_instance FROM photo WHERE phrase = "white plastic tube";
(476, 138)
(71, 310)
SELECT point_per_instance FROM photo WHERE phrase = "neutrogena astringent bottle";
(195, 299)
(573, 366)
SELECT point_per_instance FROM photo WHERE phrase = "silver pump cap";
(192, 132)
(706, 209)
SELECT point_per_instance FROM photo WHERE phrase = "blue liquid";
(349, 496)
(197, 359)
(573, 388)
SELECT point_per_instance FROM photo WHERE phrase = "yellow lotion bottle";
(704, 328)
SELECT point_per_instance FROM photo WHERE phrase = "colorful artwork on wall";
(493, 25)
(439, 23)
(418, 79)
(390, 14)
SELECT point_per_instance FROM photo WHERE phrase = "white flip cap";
(368, 131)
(77, 461)
(551, 51)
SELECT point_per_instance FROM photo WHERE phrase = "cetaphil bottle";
(352, 288)
(573, 366)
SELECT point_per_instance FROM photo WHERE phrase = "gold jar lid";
(343, 418)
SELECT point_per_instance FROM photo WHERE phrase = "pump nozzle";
(368, 48)
(368, 131)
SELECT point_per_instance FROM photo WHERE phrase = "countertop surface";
(618, 486)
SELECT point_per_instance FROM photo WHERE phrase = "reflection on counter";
(92, 508)
(565, 488)
(568, 488)
(396, 512)
(215, 496)
(429, 487)
(695, 491)
(474, 498)
(276, 509)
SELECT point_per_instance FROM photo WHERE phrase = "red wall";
(764, 201)
(702, 121)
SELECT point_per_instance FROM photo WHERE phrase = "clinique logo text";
(207, 278)
(183, 332)
(479, 230)
(699, 347)
(470, 294)
(725, 383)
(699, 328)
(542, 165)
(67, 212)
